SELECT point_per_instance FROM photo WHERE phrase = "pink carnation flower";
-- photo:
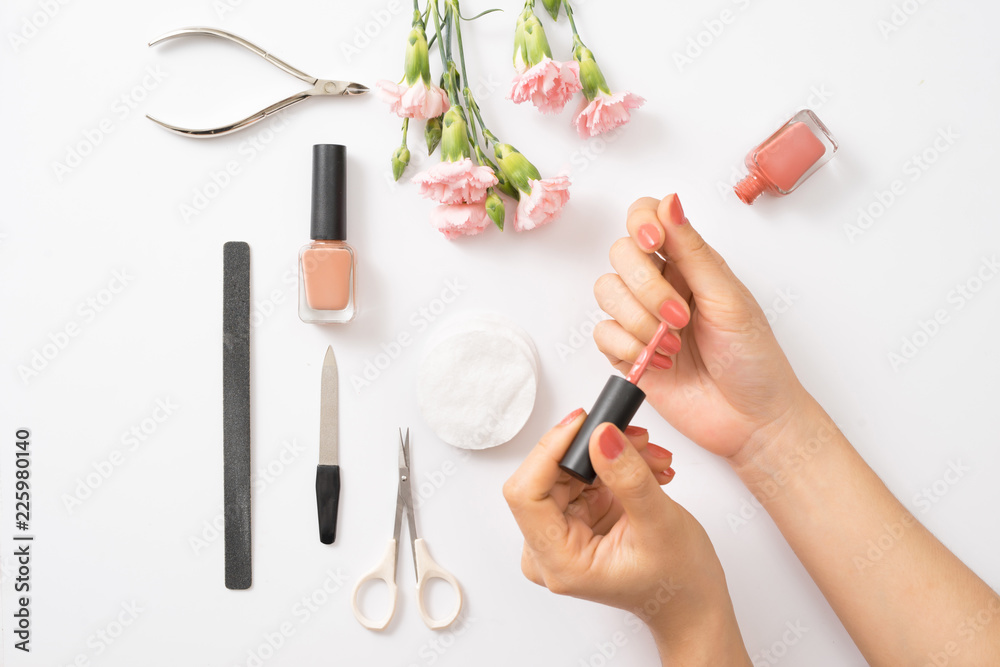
(457, 220)
(606, 112)
(461, 182)
(549, 85)
(416, 101)
(543, 204)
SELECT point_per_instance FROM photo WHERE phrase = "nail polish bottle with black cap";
(327, 276)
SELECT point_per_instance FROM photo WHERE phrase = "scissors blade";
(402, 479)
(405, 497)
(404, 451)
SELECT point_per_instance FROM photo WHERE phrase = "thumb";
(627, 474)
(704, 270)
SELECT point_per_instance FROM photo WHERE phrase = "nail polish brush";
(616, 404)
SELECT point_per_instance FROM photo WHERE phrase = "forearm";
(702, 631)
(900, 593)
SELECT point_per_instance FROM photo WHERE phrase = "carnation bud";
(454, 136)
(518, 170)
(432, 133)
(495, 209)
(530, 44)
(504, 185)
(400, 159)
(591, 76)
(417, 65)
(552, 7)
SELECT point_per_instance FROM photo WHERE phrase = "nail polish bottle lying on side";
(787, 158)
(327, 275)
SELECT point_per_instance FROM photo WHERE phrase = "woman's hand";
(623, 542)
(730, 384)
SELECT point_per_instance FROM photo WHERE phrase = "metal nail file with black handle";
(328, 470)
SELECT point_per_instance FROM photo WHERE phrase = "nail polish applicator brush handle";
(617, 404)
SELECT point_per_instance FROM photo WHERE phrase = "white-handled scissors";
(424, 566)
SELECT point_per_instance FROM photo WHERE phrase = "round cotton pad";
(478, 382)
(489, 322)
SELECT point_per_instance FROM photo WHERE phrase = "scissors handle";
(427, 569)
(384, 571)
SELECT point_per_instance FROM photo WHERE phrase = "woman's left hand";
(622, 541)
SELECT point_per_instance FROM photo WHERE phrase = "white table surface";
(854, 296)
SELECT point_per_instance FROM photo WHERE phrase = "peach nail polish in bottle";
(787, 158)
(327, 280)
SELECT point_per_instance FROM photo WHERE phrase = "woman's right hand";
(730, 384)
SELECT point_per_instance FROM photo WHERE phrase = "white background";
(854, 298)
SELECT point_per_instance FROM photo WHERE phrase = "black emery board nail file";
(236, 412)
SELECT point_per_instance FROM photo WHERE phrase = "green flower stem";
(452, 93)
(487, 135)
(469, 102)
(569, 14)
(456, 16)
(406, 126)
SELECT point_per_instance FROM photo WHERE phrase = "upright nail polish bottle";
(787, 158)
(327, 278)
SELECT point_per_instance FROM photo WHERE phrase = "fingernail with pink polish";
(658, 452)
(634, 430)
(674, 313)
(661, 362)
(649, 236)
(676, 212)
(670, 344)
(568, 419)
(611, 443)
